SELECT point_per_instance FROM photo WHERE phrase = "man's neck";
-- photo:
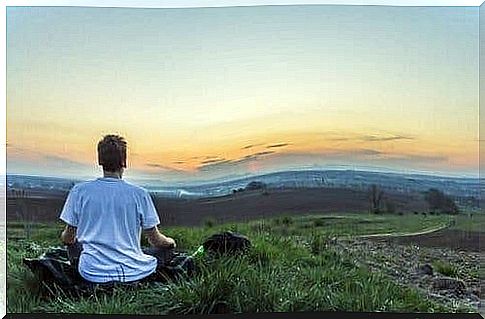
(112, 174)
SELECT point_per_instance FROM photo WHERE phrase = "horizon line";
(242, 176)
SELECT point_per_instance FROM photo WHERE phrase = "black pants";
(163, 255)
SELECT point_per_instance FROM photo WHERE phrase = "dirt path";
(458, 242)
(402, 263)
(400, 235)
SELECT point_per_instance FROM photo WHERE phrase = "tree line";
(436, 199)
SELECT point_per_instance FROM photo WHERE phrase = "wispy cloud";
(366, 152)
(162, 167)
(263, 153)
(62, 160)
(222, 163)
(376, 155)
(362, 156)
(277, 145)
(227, 163)
(339, 139)
(213, 160)
(31, 161)
(252, 156)
(371, 137)
(418, 158)
(246, 147)
(377, 138)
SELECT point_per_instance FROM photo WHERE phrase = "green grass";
(291, 267)
(446, 269)
(360, 224)
(470, 222)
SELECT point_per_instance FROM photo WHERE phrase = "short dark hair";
(112, 153)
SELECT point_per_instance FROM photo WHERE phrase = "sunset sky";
(204, 93)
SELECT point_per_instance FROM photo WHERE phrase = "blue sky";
(390, 87)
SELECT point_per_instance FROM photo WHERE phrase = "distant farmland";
(234, 207)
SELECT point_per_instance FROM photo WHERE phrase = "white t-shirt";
(109, 214)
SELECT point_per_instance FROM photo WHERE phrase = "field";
(316, 262)
(249, 205)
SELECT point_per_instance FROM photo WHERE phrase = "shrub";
(319, 222)
(318, 243)
(445, 268)
(437, 200)
(287, 220)
(261, 227)
(390, 207)
(209, 223)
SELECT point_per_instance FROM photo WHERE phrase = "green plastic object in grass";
(199, 251)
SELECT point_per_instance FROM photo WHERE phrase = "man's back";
(109, 214)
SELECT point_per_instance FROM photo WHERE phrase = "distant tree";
(375, 197)
(439, 201)
(390, 207)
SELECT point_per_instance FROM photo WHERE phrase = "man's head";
(112, 153)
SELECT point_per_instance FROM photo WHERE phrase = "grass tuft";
(446, 268)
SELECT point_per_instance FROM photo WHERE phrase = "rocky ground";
(450, 276)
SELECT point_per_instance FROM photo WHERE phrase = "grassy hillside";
(292, 267)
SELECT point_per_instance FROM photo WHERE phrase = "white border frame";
(234, 3)
(147, 4)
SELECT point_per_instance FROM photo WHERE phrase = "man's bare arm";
(68, 236)
(157, 239)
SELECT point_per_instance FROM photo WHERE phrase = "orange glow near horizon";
(190, 157)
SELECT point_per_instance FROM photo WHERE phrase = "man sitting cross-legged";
(105, 218)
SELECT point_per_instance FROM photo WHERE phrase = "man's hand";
(157, 239)
(68, 236)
